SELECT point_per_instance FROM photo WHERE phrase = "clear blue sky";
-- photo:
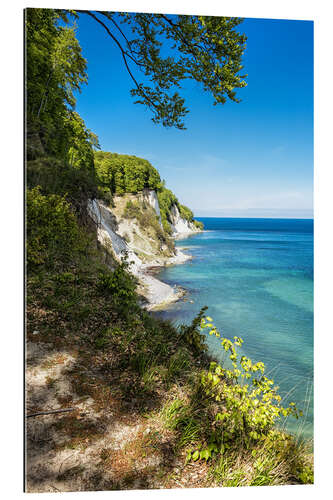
(254, 158)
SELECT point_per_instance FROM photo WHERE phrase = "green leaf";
(205, 454)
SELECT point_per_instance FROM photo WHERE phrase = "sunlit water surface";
(256, 276)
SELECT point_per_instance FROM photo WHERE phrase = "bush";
(166, 225)
(55, 177)
(132, 210)
(105, 195)
(186, 213)
(198, 224)
(192, 334)
(244, 404)
(53, 234)
(121, 285)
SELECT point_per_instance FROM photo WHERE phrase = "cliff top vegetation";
(109, 367)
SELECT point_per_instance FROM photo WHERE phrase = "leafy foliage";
(186, 213)
(53, 234)
(192, 333)
(166, 199)
(198, 224)
(55, 71)
(206, 49)
(121, 285)
(125, 174)
(247, 403)
(55, 177)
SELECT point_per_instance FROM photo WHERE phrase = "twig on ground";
(50, 412)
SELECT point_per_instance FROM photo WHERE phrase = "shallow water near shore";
(256, 277)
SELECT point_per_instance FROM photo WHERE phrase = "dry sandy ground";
(91, 447)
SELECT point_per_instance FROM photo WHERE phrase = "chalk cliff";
(132, 226)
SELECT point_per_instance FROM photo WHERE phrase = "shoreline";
(158, 294)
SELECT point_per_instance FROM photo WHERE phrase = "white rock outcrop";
(179, 225)
(110, 235)
(107, 235)
(150, 197)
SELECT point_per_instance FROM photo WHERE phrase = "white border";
(11, 231)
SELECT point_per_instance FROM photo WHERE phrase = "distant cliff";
(132, 226)
(138, 216)
(120, 175)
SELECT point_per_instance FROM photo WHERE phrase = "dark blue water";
(256, 277)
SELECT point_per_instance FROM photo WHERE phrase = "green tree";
(124, 173)
(80, 153)
(161, 51)
(55, 70)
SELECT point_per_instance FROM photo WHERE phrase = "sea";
(256, 277)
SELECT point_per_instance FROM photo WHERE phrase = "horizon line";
(249, 217)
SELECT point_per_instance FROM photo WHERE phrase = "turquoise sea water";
(256, 277)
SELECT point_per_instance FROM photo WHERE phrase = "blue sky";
(254, 158)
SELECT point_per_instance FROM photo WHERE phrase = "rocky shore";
(157, 293)
(111, 231)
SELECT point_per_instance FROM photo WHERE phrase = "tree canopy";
(161, 51)
(125, 174)
(55, 70)
(118, 174)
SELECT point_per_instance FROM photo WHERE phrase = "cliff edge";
(132, 227)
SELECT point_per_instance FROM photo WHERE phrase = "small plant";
(178, 364)
(193, 335)
(246, 403)
(105, 195)
(65, 278)
(121, 285)
(198, 224)
(53, 233)
(132, 210)
(306, 475)
(174, 414)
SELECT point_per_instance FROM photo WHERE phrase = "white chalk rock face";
(179, 225)
(151, 198)
(126, 236)
(106, 233)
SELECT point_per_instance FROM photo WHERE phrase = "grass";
(143, 368)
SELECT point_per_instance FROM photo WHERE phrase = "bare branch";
(50, 412)
(122, 33)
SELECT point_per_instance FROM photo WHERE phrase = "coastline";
(158, 294)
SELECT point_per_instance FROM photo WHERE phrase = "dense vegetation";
(206, 49)
(80, 300)
(125, 174)
(118, 174)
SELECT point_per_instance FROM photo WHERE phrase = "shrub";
(166, 225)
(53, 234)
(198, 224)
(244, 404)
(55, 177)
(186, 213)
(121, 285)
(105, 195)
(192, 334)
(132, 210)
